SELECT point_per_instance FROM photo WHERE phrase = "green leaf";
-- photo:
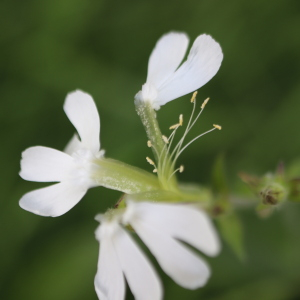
(219, 181)
(232, 232)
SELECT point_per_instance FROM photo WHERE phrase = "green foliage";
(219, 181)
(232, 232)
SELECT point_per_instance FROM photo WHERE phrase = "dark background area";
(49, 48)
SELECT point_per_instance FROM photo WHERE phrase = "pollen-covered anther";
(149, 144)
(154, 170)
(150, 161)
(204, 103)
(194, 96)
(217, 126)
(165, 139)
(181, 168)
(175, 126)
(181, 119)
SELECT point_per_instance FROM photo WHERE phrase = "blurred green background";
(49, 48)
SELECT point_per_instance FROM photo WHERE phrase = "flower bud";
(273, 193)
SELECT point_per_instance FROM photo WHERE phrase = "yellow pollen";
(150, 161)
(174, 126)
(165, 139)
(181, 168)
(149, 144)
(194, 97)
(154, 170)
(217, 126)
(204, 103)
(181, 119)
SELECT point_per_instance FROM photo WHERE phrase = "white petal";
(166, 57)
(140, 275)
(181, 221)
(109, 280)
(82, 112)
(181, 264)
(45, 164)
(53, 200)
(202, 64)
(73, 145)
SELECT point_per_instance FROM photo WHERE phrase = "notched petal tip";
(203, 62)
(165, 58)
(83, 114)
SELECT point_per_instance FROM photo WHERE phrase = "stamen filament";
(179, 144)
(199, 114)
(180, 169)
(150, 145)
(171, 138)
(194, 139)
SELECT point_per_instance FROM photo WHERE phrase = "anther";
(181, 119)
(150, 161)
(174, 126)
(154, 170)
(204, 103)
(149, 144)
(194, 97)
(181, 168)
(165, 139)
(217, 126)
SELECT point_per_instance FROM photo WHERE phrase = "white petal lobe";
(166, 57)
(140, 275)
(45, 164)
(202, 64)
(54, 200)
(82, 112)
(182, 265)
(182, 221)
(109, 280)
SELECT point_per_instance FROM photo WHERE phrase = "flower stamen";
(181, 119)
(180, 170)
(194, 96)
(151, 162)
(165, 139)
(204, 103)
(194, 139)
(217, 126)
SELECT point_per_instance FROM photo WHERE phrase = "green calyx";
(119, 176)
(163, 165)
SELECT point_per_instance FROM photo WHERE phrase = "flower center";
(85, 167)
(148, 94)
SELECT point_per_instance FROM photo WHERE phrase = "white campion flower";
(119, 256)
(74, 169)
(167, 81)
(161, 227)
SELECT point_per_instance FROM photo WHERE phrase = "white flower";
(167, 81)
(73, 170)
(162, 226)
(120, 256)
